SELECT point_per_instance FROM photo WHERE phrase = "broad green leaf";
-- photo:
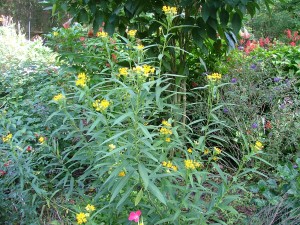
(156, 192)
(144, 174)
(145, 131)
(236, 23)
(138, 197)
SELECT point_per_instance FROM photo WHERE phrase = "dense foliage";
(106, 133)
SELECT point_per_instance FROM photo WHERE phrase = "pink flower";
(135, 216)
(261, 42)
(288, 33)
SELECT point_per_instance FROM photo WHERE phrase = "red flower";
(2, 173)
(81, 38)
(293, 43)
(268, 125)
(29, 148)
(135, 216)
(194, 84)
(91, 33)
(114, 57)
(67, 24)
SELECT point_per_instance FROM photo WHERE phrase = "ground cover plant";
(99, 136)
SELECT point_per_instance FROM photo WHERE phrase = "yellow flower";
(90, 208)
(258, 145)
(41, 140)
(122, 174)
(145, 69)
(123, 71)
(214, 77)
(82, 79)
(101, 105)
(168, 139)
(111, 147)
(217, 150)
(55, 33)
(169, 10)
(148, 69)
(190, 150)
(140, 47)
(169, 165)
(81, 218)
(102, 34)
(166, 123)
(58, 97)
(191, 164)
(7, 138)
(131, 33)
(165, 131)
(215, 158)
(206, 151)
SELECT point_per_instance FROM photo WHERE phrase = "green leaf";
(123, 117)
(138, 197)
(125, 196)
(71, 187)
(205, 12)
(117, 188)
(83, 16)
(145, 131)
(156, 192)
(222, 174)
(144, 174)
(236, 23)
(224, 17)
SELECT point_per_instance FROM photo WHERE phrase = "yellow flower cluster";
(169, 10)
(55, 33)
(131, 33)
(191, 164)
(140, 47)
(90, 208)
(122, 174)
(214, 77)
(166, 123)
(217, 150)
(101, 105)
(111, 147)
(123, 71)
(102, 34)
(258, 146)
(42, 140)
(215, 158)
(58, 97)
(7, 138)
(145, 70)
(206, 151)
(190, 150)
(165, 131)
(82, 217)
(82, 79)
(169, 165)
(168, 139)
